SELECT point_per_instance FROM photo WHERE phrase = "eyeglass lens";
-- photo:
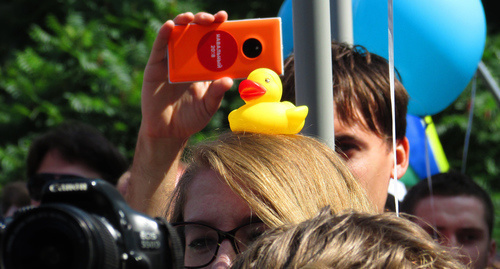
(202, 242)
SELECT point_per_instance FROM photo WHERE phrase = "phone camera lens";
(252, 48)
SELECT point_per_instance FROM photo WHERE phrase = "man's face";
(461, 224)
(369, 157)
(55, 163)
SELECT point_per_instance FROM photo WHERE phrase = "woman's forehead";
(210, 200)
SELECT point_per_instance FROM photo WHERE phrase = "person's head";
(242, 178)
(72, 149)
(363, 118)
(347, 240)
(14, 196)
(461, 212)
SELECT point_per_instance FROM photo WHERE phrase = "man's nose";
(225, 255)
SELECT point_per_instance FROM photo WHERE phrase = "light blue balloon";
(437, 44)
(285, 13)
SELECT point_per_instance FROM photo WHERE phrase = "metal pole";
(313, 66)
(341, 21)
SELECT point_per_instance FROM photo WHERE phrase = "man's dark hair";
(449, 184)
(360, 84)
(78, 142)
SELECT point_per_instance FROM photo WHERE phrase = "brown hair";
(283, 178)
(361, 90)
(350, 240)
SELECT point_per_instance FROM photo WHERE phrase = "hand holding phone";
(229, 49)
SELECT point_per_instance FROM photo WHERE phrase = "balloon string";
(429, 178)
(469, 125)
(393, 107)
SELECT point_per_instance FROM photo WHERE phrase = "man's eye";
(346, 149)
(468, 238)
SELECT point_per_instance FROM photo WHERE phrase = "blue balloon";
(437, 44)
(285, 13)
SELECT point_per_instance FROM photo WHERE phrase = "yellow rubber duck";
(263, 111)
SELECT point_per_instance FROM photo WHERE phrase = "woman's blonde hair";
(283, 178)
(349, 240)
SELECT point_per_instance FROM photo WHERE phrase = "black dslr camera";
(86, 223)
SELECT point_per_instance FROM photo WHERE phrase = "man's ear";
(492, 251)
(402, 157)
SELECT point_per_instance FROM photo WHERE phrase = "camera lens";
(252, 48)
(58, 237)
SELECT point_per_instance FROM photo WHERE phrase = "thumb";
(215, 93)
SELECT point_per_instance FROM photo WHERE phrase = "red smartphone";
(229, 49)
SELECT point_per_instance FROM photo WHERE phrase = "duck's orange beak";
(250, 90)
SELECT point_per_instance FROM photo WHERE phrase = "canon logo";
(67, 187)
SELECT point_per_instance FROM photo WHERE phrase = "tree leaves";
(85, 65)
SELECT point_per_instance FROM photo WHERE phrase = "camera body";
(228, 49)
(86, 223)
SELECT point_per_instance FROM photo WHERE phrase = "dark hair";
(360, 82)
(449, 184)
(14, 194)
(78, 142)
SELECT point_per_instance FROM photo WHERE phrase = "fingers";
(204, 18)
(220, 16)
(184, 18)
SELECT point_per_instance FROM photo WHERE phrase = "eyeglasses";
(201, 242)
(38, 181)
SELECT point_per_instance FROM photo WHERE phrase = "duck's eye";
(268, 80)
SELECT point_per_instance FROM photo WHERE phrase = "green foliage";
(87, 66)
(11, 158)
